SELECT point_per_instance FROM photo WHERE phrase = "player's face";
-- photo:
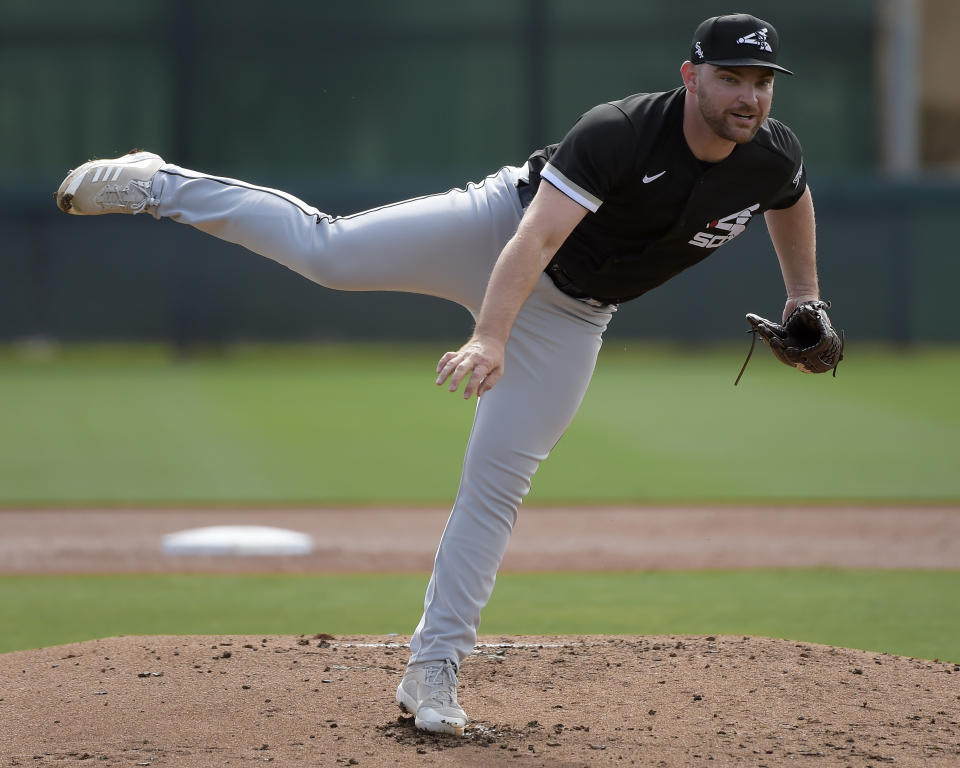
(734, 101)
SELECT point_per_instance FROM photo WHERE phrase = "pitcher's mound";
(195, 702)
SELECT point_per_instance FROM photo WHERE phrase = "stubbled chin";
(741, 132)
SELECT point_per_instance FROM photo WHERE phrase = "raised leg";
(442, 245)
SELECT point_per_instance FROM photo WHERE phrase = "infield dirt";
(564, 538)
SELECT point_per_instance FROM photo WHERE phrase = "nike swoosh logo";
(648, 179)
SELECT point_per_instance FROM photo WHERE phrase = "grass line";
(911, 613)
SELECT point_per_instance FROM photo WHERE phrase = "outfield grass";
(365, 424)
(912, 613)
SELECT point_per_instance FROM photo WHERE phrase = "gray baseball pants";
(442, 245)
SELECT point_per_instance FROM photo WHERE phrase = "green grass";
(911, 613)
(365, 424)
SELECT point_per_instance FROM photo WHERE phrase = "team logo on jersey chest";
(731, 226)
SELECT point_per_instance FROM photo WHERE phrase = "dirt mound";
(535, 701)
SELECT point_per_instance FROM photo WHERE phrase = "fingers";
(447, 365)
(442, 367)
(488, 381)
(464, 368)
(477, 375)
(474, 372)
(470, 364)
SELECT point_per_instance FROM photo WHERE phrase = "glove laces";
(753, 343)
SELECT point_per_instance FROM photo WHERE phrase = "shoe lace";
(135, 195)
(442, 680)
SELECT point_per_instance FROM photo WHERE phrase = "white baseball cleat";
(429, 691)
(120, 185)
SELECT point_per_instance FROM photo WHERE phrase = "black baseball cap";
(736, 40)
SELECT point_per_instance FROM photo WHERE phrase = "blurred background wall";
(351, 105)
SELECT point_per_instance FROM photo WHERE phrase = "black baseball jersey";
(655, 209)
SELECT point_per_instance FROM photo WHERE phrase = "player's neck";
(703, 142)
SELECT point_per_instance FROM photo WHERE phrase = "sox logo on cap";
(758, 38)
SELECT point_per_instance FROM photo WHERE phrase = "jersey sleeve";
(793, 189)
(593, 157)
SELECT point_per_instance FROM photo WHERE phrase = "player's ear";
(688, 71)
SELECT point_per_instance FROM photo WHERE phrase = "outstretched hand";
(480, 360)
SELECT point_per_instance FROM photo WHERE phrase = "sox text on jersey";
(733, 225)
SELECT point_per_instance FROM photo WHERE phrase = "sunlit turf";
(912, 613)
(366, 424)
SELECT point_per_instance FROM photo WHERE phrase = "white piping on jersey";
(570, 189)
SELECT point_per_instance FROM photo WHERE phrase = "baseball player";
(541, 255)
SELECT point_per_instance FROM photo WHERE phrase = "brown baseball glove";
(806, 340)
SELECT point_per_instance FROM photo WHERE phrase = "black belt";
(565, 285)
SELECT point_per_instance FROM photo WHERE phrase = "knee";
(497, 485)
(336, 260)
(320, 258)
(323, 269)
